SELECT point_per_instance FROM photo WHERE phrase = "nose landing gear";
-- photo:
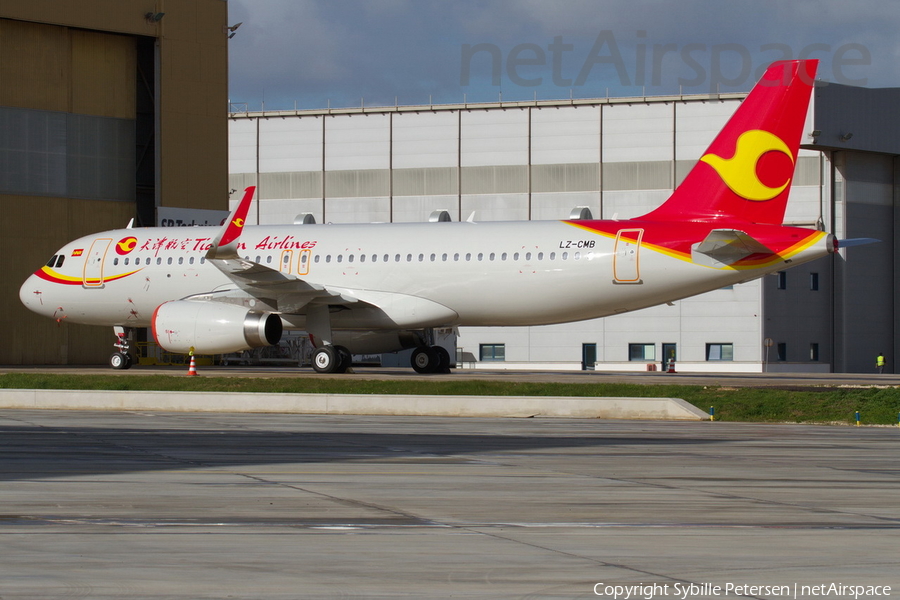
(121, 358)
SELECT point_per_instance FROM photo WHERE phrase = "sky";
(312, 54)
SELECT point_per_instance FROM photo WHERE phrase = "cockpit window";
(52, 262)
(59, 261)
(56, 261)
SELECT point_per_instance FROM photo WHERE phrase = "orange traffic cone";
(192, 370)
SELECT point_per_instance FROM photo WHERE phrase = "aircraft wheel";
(346, 359)
(120, 360)
(326, 360)
(443, 359)
(425, 360)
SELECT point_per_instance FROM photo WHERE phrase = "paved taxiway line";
(357, 404)
(274, 506)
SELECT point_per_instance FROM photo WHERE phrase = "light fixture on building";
(232, 29)
(846, 137)
(154, 17)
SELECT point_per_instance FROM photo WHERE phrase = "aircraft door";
(287, 261)
(92, 275)
(303, 265)
(626, 256)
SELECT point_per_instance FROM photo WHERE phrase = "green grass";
(806, 405)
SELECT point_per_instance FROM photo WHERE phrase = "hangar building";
(619, 158)
(109, 110)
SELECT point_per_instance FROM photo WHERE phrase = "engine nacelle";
(213, 327)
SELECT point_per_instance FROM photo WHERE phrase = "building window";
(639, 352)
(814, 352)
(782, 351)
(782, 280)
(814, 282)
(716, 352)
(492, 352)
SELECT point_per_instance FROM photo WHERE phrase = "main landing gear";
(331, 359)
(430, 359)
(121, 358)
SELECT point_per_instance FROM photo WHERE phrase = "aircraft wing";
(723, 247)
(288, 292)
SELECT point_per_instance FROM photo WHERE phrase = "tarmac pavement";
(207, 505)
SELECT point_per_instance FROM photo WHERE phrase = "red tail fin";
(746, 172)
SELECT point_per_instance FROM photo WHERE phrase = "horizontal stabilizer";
(856, 242)
(723, 247)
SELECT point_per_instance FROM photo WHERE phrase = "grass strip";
(793, 405)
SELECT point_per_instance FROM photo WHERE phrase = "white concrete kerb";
(357, 404)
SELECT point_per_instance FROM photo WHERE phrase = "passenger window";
(409, 258)
(456, 257)
(362, 258)
(340, 258)
(468, 256)
(528, 256)
(565, 256)
(553, 256)
(421, 257)
(432, 257)
(159, 260)
(516, 256)
(444, 257)
(116, 261)
(540, 256)
(191, 260)
(328, 258)
(350, 258)
(578, 256)
(503, 256)
(396, 258)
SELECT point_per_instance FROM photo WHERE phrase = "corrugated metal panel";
(34, 65)
(504, 179)
(306, 184)
(697, 123)
(808, 171)
(357, 142)
(565, 134)
(425, 182)
(649, 175)
(425, 140)
(357, 184)
(240, 181)
(495, 137)
(565, 178)
(637, 132)
(289, 144)
(103, 74)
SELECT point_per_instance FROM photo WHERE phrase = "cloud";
(345, 52)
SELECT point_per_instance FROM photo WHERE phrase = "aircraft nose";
(31, 295)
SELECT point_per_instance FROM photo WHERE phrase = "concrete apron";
(358, 404)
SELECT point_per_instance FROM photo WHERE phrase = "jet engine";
(213, 327)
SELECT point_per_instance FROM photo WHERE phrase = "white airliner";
(385, 287)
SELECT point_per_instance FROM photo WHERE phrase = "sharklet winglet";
(226, 242)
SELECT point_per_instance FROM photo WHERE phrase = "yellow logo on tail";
(739, 171)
